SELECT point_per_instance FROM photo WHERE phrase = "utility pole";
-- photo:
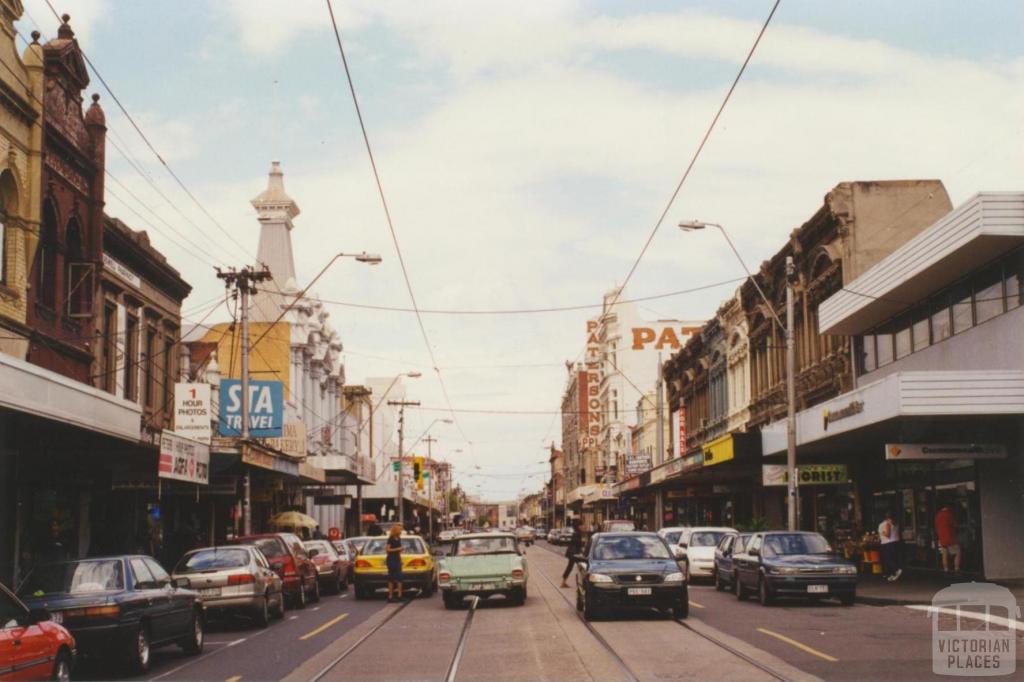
(793, 489)
(659, 405)
(244, 281)
(430, 486)
(399, 501)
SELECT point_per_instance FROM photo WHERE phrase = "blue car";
(118, 607)
(793, 564)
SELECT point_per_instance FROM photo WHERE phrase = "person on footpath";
(393, 560)
(574, 548)
(948, 536)
(889, 536)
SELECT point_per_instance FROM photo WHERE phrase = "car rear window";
(409, 546)
(213, 559)
(271, 547)
(78, 577)
(319, 545)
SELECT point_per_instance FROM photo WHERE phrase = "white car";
(671, 534)
(447, 535)
(699, 543)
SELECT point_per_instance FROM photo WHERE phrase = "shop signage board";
(122, 271)
(898, 451)
(192, 412)
(807, 474)
(292, 441)
(266, 408)
(637, 464)
(183, 459)
(679, 432)
(719, 450)
(258, 458)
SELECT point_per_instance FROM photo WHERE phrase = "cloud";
(86, 15)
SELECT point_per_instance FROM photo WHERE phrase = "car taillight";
(289, 566)
(241, 579)
(517, 573)
(94, 611)
(444, 577)
(362, 563)
(418, 563)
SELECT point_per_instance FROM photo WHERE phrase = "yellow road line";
(696, 605)
(314, 633)
(798, 645)
(236, 678)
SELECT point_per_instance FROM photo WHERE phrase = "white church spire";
(275, 211)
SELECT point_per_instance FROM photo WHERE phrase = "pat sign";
(266, 408)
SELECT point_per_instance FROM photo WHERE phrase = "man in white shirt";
(889, 536)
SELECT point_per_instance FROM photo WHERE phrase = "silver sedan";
(236, 578)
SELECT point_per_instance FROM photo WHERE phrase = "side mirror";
(679, 552)
(313, 552)
(181, 583)
(683, 545)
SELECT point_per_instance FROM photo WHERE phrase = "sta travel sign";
(266, 408)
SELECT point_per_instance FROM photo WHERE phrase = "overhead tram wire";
(149, 144)
(387, 215)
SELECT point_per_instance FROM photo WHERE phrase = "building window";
(169, 363)
(46, 258)
(903, 346)
(869, 358)
(131, 361)
(885, 351)
(921, 334)
(150, 367)
(941, 325)
(963, 315)
(109, 349)
(3, 245)
(988, 295)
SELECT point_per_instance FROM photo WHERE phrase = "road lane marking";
(988, 618)
(236, 678)
(206, 655)
(317, 631)
(798, 645)
(696, 605)
(315, 608)
(293, 618)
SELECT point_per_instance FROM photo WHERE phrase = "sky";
(526, 151)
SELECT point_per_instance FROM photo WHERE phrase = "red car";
(32, 647)
(289, 559)
(334, 566)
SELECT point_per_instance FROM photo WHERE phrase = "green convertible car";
(482, 565)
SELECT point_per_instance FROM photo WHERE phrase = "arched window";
(46, 258)
(8, 207)
(78, 273)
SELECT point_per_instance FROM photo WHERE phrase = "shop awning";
(24, 387)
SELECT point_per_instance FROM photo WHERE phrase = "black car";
(630, 570)
(793, 564)
(730, 545)
(117, 607)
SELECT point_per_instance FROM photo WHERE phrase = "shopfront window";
(963, 317)
(988, 295)
(921, 334)
(885, 350)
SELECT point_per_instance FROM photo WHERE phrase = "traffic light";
(417, 472)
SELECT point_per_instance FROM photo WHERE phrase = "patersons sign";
(593, 420)
(665, 337)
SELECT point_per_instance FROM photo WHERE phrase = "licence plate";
(209, 592)
(57, 616)
(817, 589)
(637, 591)
(485, 586)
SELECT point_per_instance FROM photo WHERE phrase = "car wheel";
(262, 612)
(590, 612)
(139, 650)
(764, 594)
(193, 642)
(681, 610)
(719, 585)
(360, 592)
(279, 608)
(62, 667)
(517, 597)
(336, 589)
(741, 593)
(316, 590)
(450, 602)
(343, 584)
(848, 599)
(300, 598)
(579, 600)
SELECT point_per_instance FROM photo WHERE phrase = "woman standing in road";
(394, 561)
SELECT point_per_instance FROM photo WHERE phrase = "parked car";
(355, 544)
(418, 569)
(793, 564)
(524, 534)
(672, 534)
(448, 535)
(333, 569)
(552, 534)
(483, 565)
(32, 645)
(699, 543)
(540, 533)
(724, 570)
(233, 579)
(562, 536)
(628, 570)
(288, 558)
(118, 607)
(617, 526)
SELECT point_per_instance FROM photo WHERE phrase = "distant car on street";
(724, 570)
(540, 533)
(562, 536)
(448, 535)
(333, 568)
(118, 607)
(671, 534)
(524, 534)
(630, 570)
(32, 645)
(793, 564)
(288, 558)
(356, 543)
(617, 526)
(700, 543)
(236, 578)
(483, 565)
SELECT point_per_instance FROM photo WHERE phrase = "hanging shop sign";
(311, 472)
(679, 432)
(266, 408)
(292, 441)
(183, 459)
(718, 451)
(192, 412)
(593, 421)
(663, 337)
(807, 474)
(898, 451)
(637, 464)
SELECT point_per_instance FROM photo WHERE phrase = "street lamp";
(794, 500)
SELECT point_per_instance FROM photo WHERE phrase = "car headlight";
(782, 570)
(675, 578)
(845, 570)
(599, 578)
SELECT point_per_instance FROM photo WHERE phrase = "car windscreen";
(794, 543)
(672, 538)
(271, 547)
(213, 559)
(705, 538)
(499, 545)
(320, 546)
(409, 546)
(77, 577)
(630, 547)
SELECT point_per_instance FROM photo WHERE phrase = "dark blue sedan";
(630, 570)
(117, 608)
(793, 564)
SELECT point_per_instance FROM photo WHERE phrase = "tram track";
(682, 623)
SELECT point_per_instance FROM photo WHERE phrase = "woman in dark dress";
(394, 561)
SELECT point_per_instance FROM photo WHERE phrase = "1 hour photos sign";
(266, 408)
